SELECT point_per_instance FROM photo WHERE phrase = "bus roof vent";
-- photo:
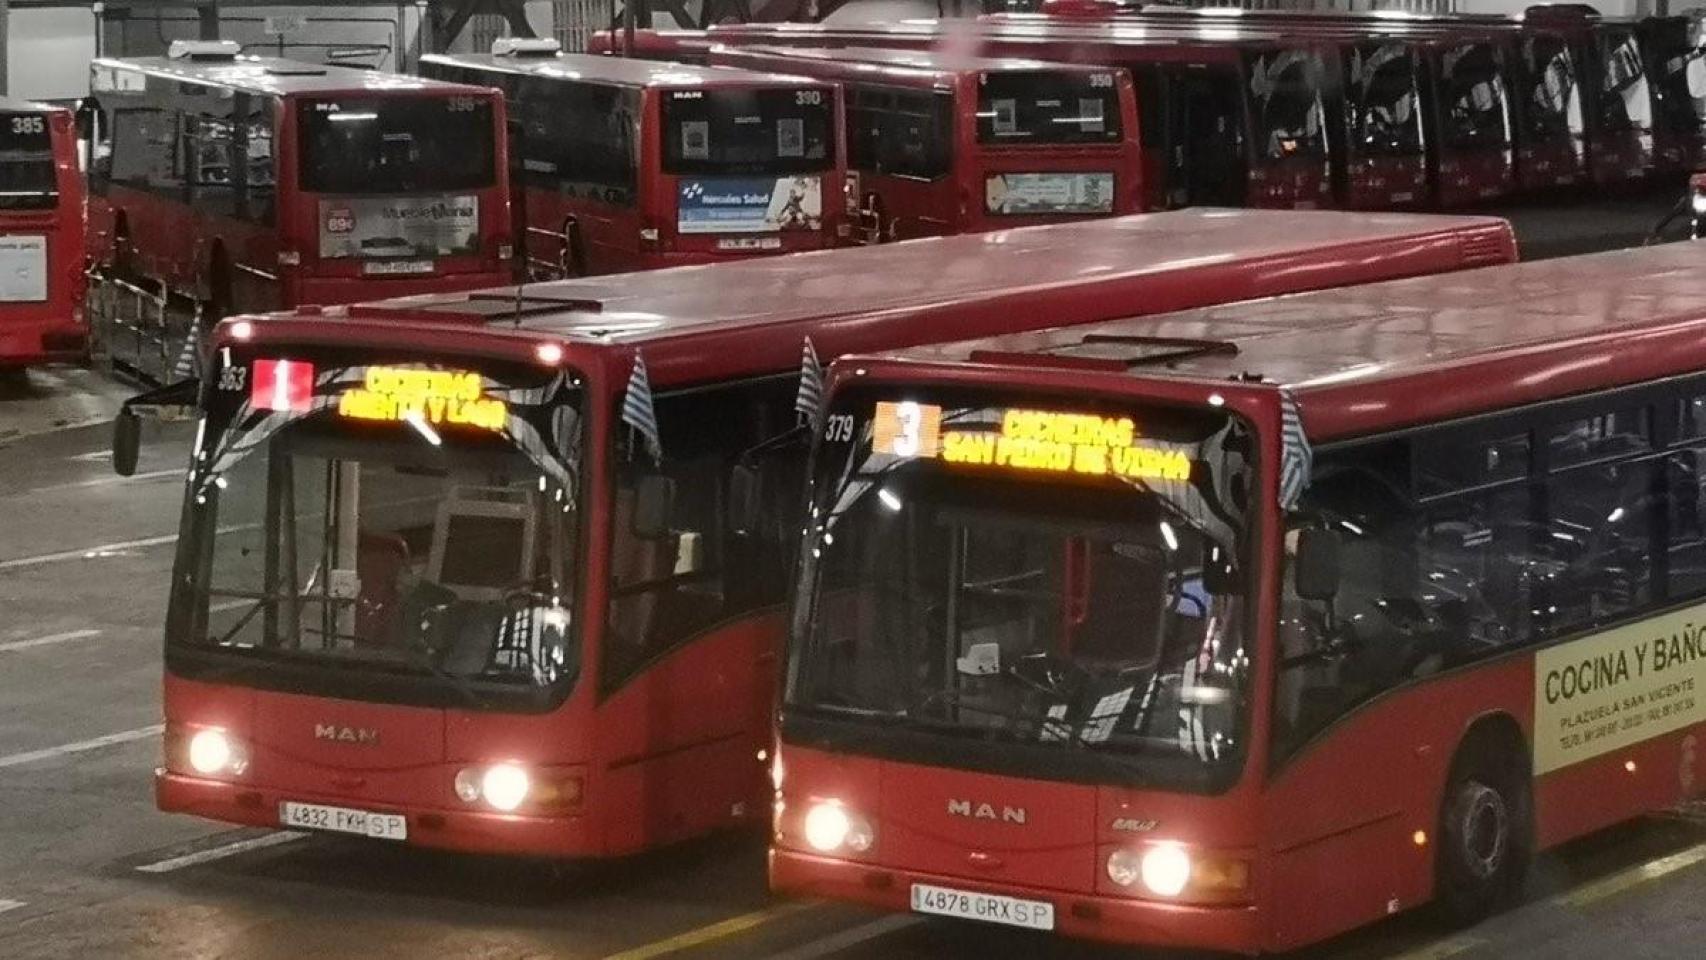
(204, 50)
(1112, 353)
(525, 47)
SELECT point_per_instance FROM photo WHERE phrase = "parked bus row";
(1272, 108)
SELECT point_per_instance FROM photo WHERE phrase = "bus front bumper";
(467, 831)
(1229, 929)
(29, 342)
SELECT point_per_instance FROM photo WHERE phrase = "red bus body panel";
(53, 329)
(673, 752)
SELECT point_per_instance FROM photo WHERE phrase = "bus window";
(395, 145)
(145, 149)
(27, 175)
(260, 173)
(1286, 89)
(1380, 100)
(1041, 107)
(900, 132)
(1554, 101)
(1625, 101)
(211, 174)
(1474, 97)
(580, 138)
(667, 590)
(735, 131)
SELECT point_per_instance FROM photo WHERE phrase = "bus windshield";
(1064, 584)
(392, 145)
(728, 130)
(27, 176)
(416, 521)
(1474, 95)
(1381, 100)
(1285, 90)
(1625, 102)
(1037, 106)
(1554, 99)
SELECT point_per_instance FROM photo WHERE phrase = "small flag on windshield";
(810, 398)
(1297, 458)
(638, 411)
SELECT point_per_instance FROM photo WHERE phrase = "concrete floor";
(88, 869)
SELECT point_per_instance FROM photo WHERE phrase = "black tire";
(1485, 836)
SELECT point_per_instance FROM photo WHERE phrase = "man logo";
(361, 736)
(986, 811)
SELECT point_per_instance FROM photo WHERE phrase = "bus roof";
(621, 71)
(15, 105)
(1219, 37)
(274, 76)
(1386, 355)
(700, 324)
(936, 64)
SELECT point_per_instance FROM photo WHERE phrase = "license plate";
(750, 243)
(988, 907)
(314, 816)
(1403, 196)
(392, 268)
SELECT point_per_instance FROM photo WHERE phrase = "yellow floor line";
(1633, 877)
(1442, 949)
(709, 933)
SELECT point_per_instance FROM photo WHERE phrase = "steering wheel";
(1046, 674)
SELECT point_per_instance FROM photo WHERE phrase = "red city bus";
(1420, 566)
(41, 237)
(1241, 112)
(938, 144)
(252, 183)
(503, 571)
(636, 164)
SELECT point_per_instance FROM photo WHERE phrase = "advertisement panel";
(1610, 690)
(749, 204)
(424, 227)
(1017, 194)
(23, 268)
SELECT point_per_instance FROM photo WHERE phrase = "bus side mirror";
(127, 442)
(746, 488)
(654, 502)
(1316, 576)
(1219, 575)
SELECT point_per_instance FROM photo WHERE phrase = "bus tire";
(1485, 835)
(571, 259)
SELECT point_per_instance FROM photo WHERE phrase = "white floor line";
(220, 853)
(16, 645)
(81, 746)
(101, 481)
(83, 552)
(851, 937)
(8, 905)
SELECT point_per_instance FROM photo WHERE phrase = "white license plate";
(392, 268)
(750, 243)
(1403, 196)
(314, 816)
(988, 907)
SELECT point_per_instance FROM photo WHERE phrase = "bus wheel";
(1484, 830)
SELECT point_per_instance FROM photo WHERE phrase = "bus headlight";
(211, 752)
(831, 828)
(504, 786)
(1165, 869)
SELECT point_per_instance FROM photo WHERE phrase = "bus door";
(1472, 150)
(1676, 60)
(1380, 161)
(901, 144)
(1206, 146)
(1623, 142)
